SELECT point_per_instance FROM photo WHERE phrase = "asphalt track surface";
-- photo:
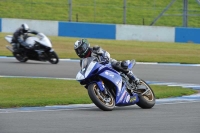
(167, 116)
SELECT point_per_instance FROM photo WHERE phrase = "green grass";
(123, 50)
(42, 92)
(139, 12)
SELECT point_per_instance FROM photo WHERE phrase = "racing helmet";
(25, 27)
(82, 48)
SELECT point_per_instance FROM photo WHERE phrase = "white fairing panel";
(80, 76)
(31, 41)
(44, 40)
(9, 38)
(92, 64)
(40, 38)
(120, 85)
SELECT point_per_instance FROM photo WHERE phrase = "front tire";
(146, 96)
(53, 58)
(105, 102)
(21, 57)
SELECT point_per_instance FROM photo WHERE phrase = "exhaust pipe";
(10, 48)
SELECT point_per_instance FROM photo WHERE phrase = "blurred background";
(179, 13)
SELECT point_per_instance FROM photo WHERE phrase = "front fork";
(106, 95)
(101, 86)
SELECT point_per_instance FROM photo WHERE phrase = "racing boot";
(15, 48)
(132, 78)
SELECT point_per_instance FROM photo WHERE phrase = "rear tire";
(21, 57)
(104, 102)
(146, 97)
(53, 58)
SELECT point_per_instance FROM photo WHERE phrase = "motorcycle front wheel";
(21, 57)
(146, 96)
(53, 58)
(105, 102)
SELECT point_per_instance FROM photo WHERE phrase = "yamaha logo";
(109, 74)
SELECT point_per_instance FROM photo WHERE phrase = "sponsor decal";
(127, 98)
(132, 99)
(109, 74)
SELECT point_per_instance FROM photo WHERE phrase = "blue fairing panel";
(130, 66)
(126, 99)
(111, 76)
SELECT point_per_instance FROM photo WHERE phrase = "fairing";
(40, 38)
(85, 72)
(9, 38)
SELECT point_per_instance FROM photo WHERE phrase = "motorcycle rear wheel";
(20, 57)
(146, 97)
(53, 58)
(100, 99)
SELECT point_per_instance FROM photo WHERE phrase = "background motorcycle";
(108, 88)
(41, 49)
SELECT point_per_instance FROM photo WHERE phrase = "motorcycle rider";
(83, 50)
(18, 37)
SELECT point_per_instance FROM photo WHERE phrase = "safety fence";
(173, 13)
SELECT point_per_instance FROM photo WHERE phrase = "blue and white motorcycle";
(108, 88)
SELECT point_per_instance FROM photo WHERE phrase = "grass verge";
(27, 92)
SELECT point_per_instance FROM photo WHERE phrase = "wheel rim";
(105, 99)
(147, 93)
(53, 58)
